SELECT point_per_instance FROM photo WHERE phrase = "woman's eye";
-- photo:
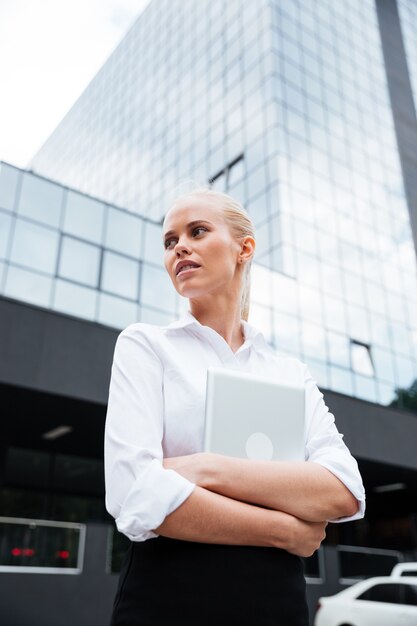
(169, 243)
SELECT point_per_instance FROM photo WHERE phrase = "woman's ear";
(247, 248)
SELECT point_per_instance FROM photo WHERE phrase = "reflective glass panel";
(318, 371)
(308, 270)
(120, 275)
(2, 274)
(84, 217)
(384, 364)
(150, 316)
(385, 393)
(220, 183)
(156, 288)
(256, 181)
(365, 387)
(5, 222)
(153, 244)
(282, 260)
(124, 232)
(8, 182)
(28, 286)
(361, 359)
(75, 300)
(286, 333)
(358, 323)
(406, 371)
(310, 303)
(40, 200)
(260, 290)
(284, 293)
(34, 545)
(260, 317)
(338, 349)
(341, 380)
(79, 261)
(380, 331)
(238, 192)
(116, 312)
(401, 338)
(183, 305)
(313, 341)
(35, 246)
(263, 240)
(258, 210)
(236, 173)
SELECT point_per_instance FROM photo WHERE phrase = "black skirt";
(179, 583)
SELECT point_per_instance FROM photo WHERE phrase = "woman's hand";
(298, 536)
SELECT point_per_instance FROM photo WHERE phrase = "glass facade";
(407, 10)
(285, 106)
(47, 267)
(80, 256)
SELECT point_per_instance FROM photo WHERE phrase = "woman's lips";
(187, 271)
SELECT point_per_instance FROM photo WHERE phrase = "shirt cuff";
(355, 487)
(156, 493)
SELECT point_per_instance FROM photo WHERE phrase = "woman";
(215, 540)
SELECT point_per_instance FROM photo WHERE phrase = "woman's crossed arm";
(208, 517)
(306, 490)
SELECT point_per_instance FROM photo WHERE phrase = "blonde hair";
(240, 224)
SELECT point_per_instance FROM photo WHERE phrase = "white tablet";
(248, 416)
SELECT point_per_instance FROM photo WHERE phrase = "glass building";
(72, 253)
(306, 113)
(286, 107)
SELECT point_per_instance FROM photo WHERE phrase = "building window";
(361, 360)
(79, 261)
(228, 176)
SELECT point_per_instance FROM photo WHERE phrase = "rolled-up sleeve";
(140, 492)
(325, 445)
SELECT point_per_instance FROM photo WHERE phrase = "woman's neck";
(224, 318)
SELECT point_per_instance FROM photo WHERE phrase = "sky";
(49, 52)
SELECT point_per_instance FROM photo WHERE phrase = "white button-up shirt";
(156, 409)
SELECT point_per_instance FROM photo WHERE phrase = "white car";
(404, 569)
(380, 601)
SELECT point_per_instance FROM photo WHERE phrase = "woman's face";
(201, 256)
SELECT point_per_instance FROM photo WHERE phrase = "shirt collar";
(252, 334)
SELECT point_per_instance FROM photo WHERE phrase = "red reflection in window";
(28, 552)
(22, 552)
(63, 554)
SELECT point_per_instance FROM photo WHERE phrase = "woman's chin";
(190, 293)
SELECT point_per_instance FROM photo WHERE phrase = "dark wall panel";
(54, 353)
(374, 432)
(58, 354)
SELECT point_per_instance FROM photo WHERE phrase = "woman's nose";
(182, 246)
